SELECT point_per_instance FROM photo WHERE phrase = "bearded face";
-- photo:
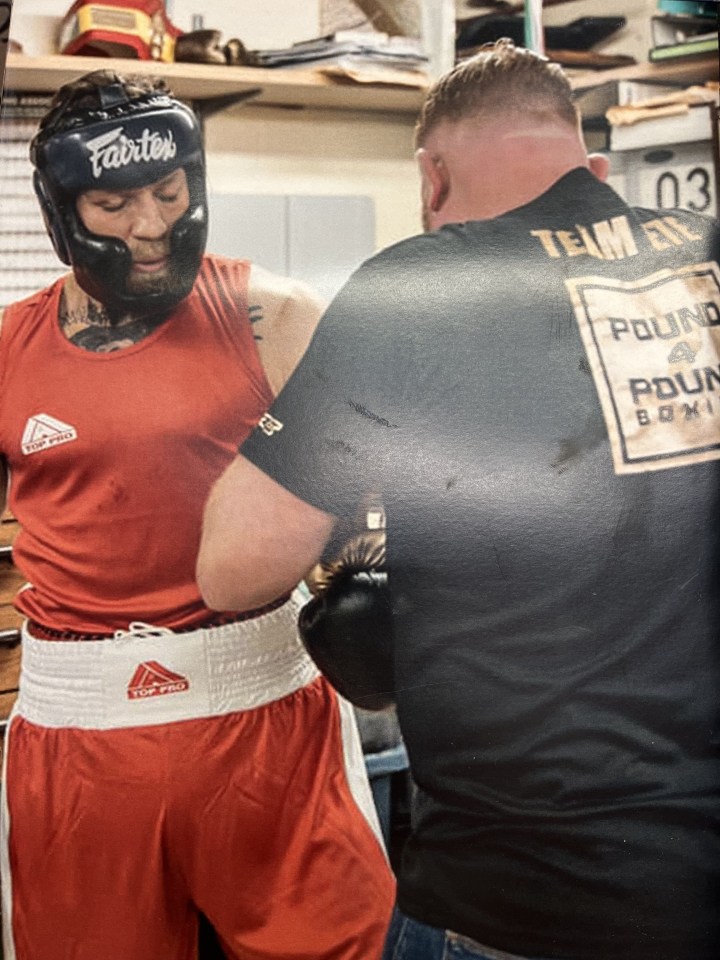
(143, 218)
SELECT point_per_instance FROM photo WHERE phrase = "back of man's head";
(495, 133)
(499, 80)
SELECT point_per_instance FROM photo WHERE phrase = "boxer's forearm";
(258, 539)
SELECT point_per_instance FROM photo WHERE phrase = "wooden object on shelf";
(10, 620)
(677, 72)
(10, 582)
(9, 672)
(8, 529)
(589, 59)
(8, 699)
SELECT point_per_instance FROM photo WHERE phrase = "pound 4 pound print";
(654, 349)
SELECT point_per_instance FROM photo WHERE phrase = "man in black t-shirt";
(534, 387)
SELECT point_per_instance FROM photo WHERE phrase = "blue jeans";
(409, 939)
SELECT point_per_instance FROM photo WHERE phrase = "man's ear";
(435, 179)
(599, 165)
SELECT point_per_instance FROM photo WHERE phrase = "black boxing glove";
(347, 626)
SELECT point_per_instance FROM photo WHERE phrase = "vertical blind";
(27, 259)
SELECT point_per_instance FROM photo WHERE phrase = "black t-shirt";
(537, 399)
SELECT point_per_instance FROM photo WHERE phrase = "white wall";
(319, 152)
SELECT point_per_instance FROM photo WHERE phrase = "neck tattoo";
(88, 326)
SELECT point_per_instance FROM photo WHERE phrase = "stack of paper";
(364, 57)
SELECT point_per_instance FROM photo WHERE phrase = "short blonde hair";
(500, 78)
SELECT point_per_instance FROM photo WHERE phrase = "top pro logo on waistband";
(152, 679)
(114, 149)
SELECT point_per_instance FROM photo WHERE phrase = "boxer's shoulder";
(284, 313)
(282, 298)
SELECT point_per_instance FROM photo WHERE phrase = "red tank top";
(112, 456)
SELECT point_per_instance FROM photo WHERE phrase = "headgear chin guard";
(122, 144)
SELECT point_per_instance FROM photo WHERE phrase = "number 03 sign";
(686, 186)
(681, 176)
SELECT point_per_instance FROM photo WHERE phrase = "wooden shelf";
(216, 86)
(292, 88)
(689, 71)
(298, 88)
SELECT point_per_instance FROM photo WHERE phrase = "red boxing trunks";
(156, 775)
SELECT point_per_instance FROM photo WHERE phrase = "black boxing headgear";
(123, 143)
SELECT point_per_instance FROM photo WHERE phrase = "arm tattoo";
(255, 312)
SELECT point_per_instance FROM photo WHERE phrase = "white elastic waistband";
(151, 675)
